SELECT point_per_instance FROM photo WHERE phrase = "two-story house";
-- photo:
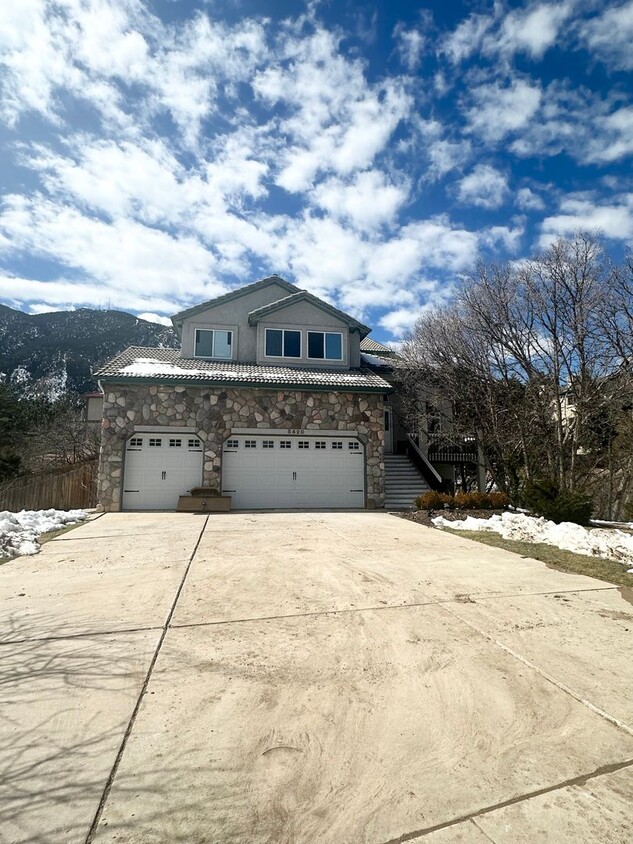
(268, 401)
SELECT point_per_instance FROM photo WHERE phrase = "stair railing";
(421, 461)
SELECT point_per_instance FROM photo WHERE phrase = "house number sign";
(297, 430)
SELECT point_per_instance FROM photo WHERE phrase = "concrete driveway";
(308, 677)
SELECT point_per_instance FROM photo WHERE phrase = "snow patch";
(596, 542)
(374, 360)
(19, 531)
(142, 367)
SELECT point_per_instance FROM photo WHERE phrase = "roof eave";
(254, 385)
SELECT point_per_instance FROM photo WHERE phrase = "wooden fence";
(69, 488)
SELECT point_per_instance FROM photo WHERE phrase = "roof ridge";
(235, 294)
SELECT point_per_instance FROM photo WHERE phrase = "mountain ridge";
(54, 353)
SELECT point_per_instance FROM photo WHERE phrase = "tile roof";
(139, 363)
(367, 344)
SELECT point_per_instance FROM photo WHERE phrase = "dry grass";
(555, 558)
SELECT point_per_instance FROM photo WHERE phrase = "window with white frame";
(282, 343)
(213, 343)
(325, 345)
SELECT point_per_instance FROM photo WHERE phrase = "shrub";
(462, 501)
(434, 501)
(481, 500)
(544, 498)
(498, 500)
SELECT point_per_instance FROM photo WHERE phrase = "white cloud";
(411, 43)
(484, 186)
(64, 294)
(610, 35)
(467, 37)
(527, 200)
(531, 30)
(118, 255)
(160, 320)
(615, 220)
(44, 308)
(367, 202)
(337, 121)
(614, 137)
(500, 110)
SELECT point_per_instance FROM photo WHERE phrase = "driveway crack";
(580, 780)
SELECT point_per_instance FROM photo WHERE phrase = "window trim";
(213, 356)
(324, 333)
(283, 343)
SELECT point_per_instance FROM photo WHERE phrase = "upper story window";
(325, 345)
(282, 343)
(213, 343)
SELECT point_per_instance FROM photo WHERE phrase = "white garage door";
(159, 467)
(262, 472)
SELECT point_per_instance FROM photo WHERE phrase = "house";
(267, 401)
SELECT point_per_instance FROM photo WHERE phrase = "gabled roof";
(234, 294)
(304, 296)
(139, 364)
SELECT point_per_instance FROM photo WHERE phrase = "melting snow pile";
(612, 544)
(19, 531)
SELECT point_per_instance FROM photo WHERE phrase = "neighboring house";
(268, 401)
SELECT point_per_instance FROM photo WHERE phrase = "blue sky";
(154, 155)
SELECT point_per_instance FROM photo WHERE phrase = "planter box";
(204, 504)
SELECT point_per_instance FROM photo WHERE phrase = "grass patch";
(53, 534)
(555, 558)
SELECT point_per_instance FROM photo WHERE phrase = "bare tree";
(528, 355)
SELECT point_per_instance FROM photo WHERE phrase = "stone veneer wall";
(212, 413)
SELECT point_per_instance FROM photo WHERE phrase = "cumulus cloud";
(614, 219)
(532, 30)
(499, 110)
(484, 186)
(609, 36)
(528, 200)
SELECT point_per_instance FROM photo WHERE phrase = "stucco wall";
(212, 413)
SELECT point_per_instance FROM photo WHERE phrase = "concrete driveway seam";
(580, 780)
(349, 610)
(559, 685)
(108, 786)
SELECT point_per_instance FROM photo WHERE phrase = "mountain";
(54, 353)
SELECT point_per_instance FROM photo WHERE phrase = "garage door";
(160, 467)
(262, 472)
